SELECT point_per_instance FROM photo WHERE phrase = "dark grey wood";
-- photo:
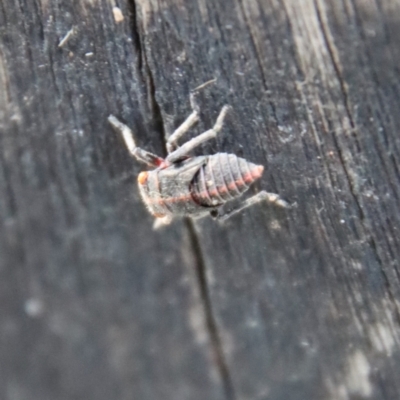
(275, 304)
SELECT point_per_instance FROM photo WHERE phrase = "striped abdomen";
(223, 178)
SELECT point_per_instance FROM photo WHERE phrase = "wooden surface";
(298, 304)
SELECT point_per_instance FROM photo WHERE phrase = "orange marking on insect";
(223, 189)
(157, 215)
(233, 185)
(163, 164)
(218, 190)
(142, 177)
(241, 182)
(254, 174)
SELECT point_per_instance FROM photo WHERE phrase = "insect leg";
(193, 143)
(272, 198)
(161, 222)
(190, 121)
(140, 154)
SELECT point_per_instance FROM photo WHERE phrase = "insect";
(182, 185)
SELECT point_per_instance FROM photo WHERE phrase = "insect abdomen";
(223, 178)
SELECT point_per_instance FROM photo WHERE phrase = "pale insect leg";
(190, 121)
(193, 143)
(140, 154)
(161, 222)
(272, 198)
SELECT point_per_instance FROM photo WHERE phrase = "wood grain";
(274, 304)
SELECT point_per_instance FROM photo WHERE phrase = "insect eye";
(142, 177)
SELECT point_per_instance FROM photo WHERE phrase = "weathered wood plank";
(276, 304)
(305, 301)
(95, 305)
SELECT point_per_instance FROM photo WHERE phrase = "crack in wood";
(147, 74)
(211, 323)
